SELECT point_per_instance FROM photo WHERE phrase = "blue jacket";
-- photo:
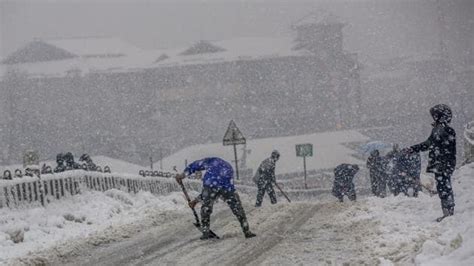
(219, 173)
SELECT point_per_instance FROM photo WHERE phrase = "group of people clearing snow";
(399, 170)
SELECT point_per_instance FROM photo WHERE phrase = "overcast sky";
(374, 28)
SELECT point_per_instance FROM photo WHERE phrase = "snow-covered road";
(284, 231)
(371, 231)
(297, 233)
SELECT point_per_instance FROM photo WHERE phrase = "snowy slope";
(117, 166)
(328, 151)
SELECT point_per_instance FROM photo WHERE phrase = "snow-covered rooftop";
(94, 46)
(135, 59)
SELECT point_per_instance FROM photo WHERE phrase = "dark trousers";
(339, 190)
(414, 182)
(398, 184)
(262, 187)
(445, 190)
(209, 196)
(378, 184)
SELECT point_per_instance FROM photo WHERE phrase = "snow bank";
(77, 217)
(454, 243)
(407, 232)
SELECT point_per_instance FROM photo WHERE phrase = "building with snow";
(101, 95)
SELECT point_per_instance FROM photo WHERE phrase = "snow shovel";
(197, 223)
(284, 194)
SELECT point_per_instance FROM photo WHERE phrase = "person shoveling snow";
(218, 181)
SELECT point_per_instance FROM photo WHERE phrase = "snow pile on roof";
(94, 46)
(328, 151)
(111, 55)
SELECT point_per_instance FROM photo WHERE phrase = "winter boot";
(205, 235)
(446, 213)
(451, 211)
(249, 234)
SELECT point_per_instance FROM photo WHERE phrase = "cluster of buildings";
(104, 96)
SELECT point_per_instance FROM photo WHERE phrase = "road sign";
(304, 150)
(233, 136)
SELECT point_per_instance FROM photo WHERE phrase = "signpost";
(233, 136)
(304, 150)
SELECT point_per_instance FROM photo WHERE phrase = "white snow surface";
(389, 231)
(63, 222)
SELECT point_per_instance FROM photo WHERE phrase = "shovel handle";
(284, 194)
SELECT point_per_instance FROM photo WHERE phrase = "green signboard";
(304, 150)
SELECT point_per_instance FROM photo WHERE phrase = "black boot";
(249, 234)
(446, 212)
(205, 235)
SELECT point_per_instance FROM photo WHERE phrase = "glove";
(192, 203)
(179, 178)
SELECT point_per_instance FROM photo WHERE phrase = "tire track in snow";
(247, 254)
(223, 218)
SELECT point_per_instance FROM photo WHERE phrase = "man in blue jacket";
(218, 181)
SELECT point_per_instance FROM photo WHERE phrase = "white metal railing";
(34, 191)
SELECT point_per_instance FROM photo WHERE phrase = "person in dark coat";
(378, 176)
(441, 145)
(218, 182)
(343, 181)
(396, 179)
(70, 163)
(61, 167)
(410, 168)
(90, 165)
(265, 177)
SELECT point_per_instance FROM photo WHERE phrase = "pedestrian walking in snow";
(218, 181)
(265, 177)
(378, 175)
(396, 179)
(90, 165)
(441, 145)
(343, 181)
(70, 163)
(61, 167)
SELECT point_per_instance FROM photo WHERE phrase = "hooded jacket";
(219, 173)
(441, 143)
